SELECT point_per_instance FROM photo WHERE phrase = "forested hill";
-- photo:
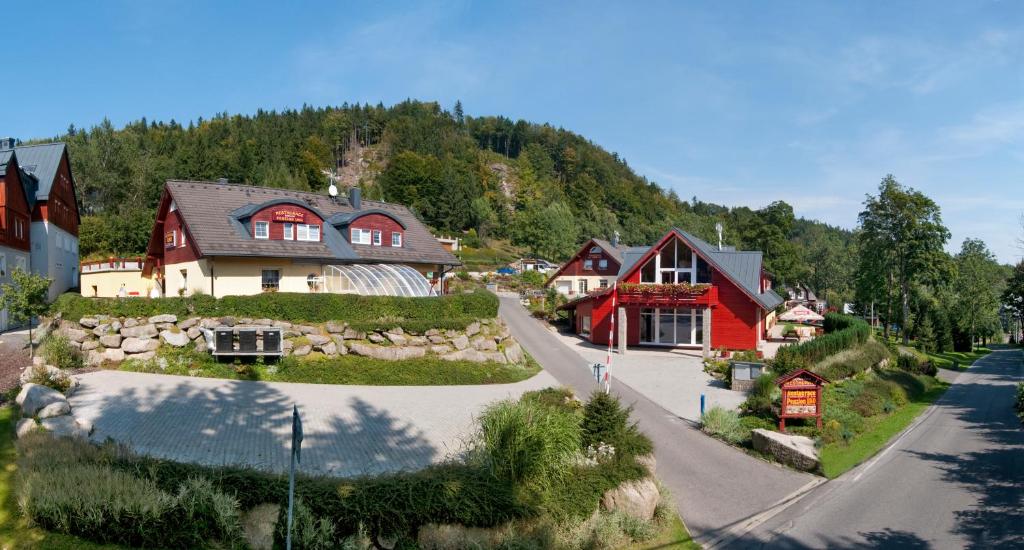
(544, 188)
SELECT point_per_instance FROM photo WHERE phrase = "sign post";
(801, 396)
(296, 457)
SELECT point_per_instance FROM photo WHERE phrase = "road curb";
(749, 524)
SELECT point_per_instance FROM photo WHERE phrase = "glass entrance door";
(672, 327)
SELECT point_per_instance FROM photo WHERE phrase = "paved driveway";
(672, 378)
(349, 430)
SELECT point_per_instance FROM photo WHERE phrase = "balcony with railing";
(112, 264)
(655, 295)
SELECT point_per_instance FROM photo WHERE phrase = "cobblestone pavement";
(672, 378)
(349, 430)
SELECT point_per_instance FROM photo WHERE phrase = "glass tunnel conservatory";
(376, 280)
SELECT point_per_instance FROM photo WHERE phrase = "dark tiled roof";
(41, 161)
(212, 212)
(29, 183)
(630, 256)
(614, 252)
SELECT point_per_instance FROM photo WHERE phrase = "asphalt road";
(716, 487)
(955, 479)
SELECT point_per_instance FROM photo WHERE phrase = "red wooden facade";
(736, 319)
(60, 207)
(14, 213)
(278, 215)
(178, 244)
(379, 222)
(576, 266)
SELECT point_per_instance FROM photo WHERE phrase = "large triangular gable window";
(674, 263)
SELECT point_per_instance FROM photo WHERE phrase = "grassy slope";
(495, 255)
(348, 369)
(837, 458)
(14, 533)
(675, 536)
(945, 360)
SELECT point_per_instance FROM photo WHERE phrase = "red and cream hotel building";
(226, 239)
(680, 292)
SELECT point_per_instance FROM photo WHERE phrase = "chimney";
(718, 228)
(222, 181)
(355, 198)
(615, 239)
(7, 143)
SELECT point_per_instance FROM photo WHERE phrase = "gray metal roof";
(5, 159)
(630, 256)
(42, 161)
(742, 266)
(216, 216)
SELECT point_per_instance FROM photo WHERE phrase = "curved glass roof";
(376, 280)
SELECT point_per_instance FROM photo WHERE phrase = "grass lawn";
(675, 536)
(839, 457)
(945, 360)
(497, 254)
(346, 369)
(14, 533)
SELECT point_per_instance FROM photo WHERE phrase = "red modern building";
(680, 292)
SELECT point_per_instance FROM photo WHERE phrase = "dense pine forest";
(543, 188)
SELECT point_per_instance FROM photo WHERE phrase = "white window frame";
(256, 230)
(602, 263)
(585, 326)
(603, 283)
(588, 264)
(581, 285)
(378, 237)
(396, 238)
(266, 288)
(289, 231)
(359, 236)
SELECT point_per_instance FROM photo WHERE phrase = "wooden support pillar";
(622, 330)
(707, 333)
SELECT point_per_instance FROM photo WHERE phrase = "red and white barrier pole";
(611, 340)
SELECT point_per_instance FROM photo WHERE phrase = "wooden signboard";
(801, 396)
(289, 216)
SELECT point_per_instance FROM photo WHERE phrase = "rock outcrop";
(636, 498)
(796, 451)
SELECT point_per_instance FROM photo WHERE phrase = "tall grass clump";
(526, 443)
(58, 351)
(723, 424)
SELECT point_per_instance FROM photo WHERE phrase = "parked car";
(506, 271)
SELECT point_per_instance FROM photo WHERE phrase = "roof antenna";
(718, 228)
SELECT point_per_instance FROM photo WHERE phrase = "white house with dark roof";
(225, 239)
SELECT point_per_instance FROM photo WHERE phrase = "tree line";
(543, 188)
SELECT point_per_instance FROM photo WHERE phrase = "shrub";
(308, 532)
(1019, 404)
(605, 421)
(813, 351)
(852, 361)
(209, 513)
(58, 351)
(45, 377)
(723, 424)
(526, 443)
(314, 308)
(559, 398)
(838, 321)
(915, 365)
(762, 396)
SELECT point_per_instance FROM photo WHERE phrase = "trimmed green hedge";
(838, 321)
(364, 312)
(855, 333)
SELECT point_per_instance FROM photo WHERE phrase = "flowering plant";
(675, 290)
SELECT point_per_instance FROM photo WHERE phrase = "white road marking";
(753, 522)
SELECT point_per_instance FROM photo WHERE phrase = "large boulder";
(637, 498)
(90, 345)
(436, 339)
(484, 344)
(131, 322)
(330, 348)
(388, 353)
(113, 355)
(66, 426)
(302, 350)
(140, 331)
(514, 353)
(89, 322)
(796, 451)
(396, 339)
(472, 329)
(26, 426)
(165, 318)
(335, 327)
(418, 341)
(318, 339)
(177, 339)
(440, 349)
(188, 323)
(306, 329)
(139, 345)
(33, 398)
(376, 338)
(460, 342)
(75, 335)
(468, 354)
(111, 340)
(353, 334)
(57, 408)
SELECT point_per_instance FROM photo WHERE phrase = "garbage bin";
(247, 340)
(225, 340)
(271, 340)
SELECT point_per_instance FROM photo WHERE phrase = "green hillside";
(541, 188)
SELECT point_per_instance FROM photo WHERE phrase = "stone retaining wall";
(104, 339)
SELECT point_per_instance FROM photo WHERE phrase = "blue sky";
(736, 103)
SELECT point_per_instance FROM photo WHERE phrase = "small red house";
(681, 292)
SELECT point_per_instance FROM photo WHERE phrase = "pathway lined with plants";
(717, 487)
(953, 481)
(349, 430)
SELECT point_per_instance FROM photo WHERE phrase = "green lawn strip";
(674, 536)
(839, 457)
(346, 370)
(14, 532)
(964, 359)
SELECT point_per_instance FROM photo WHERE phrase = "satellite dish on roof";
(332, 190)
